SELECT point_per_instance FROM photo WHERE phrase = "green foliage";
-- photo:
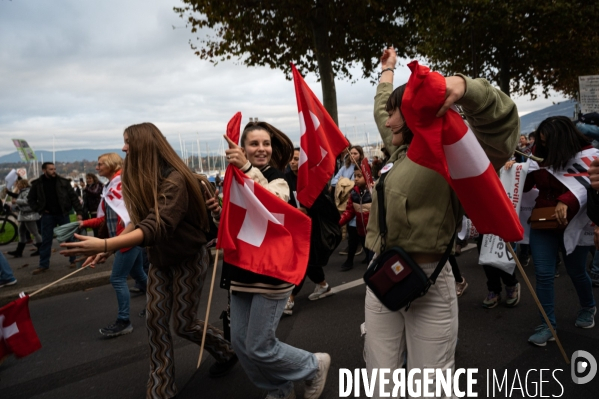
(277, 32)
(517, 44)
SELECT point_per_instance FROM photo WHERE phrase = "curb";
(69, 285)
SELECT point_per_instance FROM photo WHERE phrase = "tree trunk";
(504, 72)
(319, 22)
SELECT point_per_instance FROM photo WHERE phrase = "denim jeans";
(126, 263)
(544, 245)
(48, 223)
(269, 363)
(595, 266)
(5, 270)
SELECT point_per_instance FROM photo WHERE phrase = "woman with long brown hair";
(169, 217)
(258, 301)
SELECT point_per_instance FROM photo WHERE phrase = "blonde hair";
(22, 183)
(112, 160)
(148, 157)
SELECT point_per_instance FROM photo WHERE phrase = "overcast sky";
(82, 71)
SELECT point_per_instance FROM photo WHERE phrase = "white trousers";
(427, 331)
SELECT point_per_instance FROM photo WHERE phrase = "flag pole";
(208, 309)
(59, 280)
(536, 298)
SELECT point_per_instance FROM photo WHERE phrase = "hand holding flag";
(449, 147)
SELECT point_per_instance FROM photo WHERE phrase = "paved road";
(77, 362)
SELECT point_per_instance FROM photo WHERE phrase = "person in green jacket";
(421, 215)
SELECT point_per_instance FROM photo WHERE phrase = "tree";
(320, 36)
(517, 44)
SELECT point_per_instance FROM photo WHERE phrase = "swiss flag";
(367, 173)
(321, 142)
(17, 334)
(260, 232)
(449, 147)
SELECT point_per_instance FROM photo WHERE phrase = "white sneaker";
(320, 292)
(289, 307)
(315, 386)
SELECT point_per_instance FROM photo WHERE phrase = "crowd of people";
(153, 202)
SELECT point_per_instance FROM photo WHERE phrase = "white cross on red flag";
(17, 334)
(321, 142)
(448, 146)
(258, 231)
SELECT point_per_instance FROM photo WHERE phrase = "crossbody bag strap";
(442, 262)
(380, 193)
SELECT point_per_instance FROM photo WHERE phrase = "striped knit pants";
(176, 291)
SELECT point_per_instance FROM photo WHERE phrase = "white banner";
(494, 251)
(589, 93)
(528, 203)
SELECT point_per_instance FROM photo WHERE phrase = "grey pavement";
(59, 267)
(77, 362)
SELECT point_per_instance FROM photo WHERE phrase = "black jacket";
(66, 196)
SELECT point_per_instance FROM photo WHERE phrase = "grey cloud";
(82, 71)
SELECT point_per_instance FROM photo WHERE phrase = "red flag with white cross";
(449, 147)
(17, 335)
(260, 232)
(321, 142)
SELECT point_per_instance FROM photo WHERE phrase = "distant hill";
(62, 156)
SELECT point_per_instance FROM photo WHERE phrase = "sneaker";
(72, 265)
(6, 283)
(360, 250)
(556, 272)
(512, 295)
(491, 300)
(461, 287)
(346, 266)
(595, 279)
(35, 253)
(541, 336)
(220, 369)
(288, 307)
(39, 270)
(320, 292)
(586, 317)
(315, 386)
(524, 260)
(120, 327)
(344, 251)
(290, 396)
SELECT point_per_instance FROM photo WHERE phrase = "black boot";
(37, 251)
(17, 253)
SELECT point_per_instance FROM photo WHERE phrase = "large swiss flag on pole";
(17, 334)
(321, 142)
(449, 147)
(260, 232)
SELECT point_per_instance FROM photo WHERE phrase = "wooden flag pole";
(208, 309)
(59, 280)
(534, 295)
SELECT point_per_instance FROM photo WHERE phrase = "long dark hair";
(394, 105)
(562, 141)
(348, 160)
(282, 146)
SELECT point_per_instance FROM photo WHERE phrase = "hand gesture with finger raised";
(235, 154)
